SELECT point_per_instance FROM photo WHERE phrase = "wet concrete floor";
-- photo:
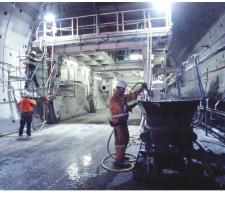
(66, 156)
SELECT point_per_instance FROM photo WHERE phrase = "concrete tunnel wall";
(213, 82)
(101, 97)
(17, 29)
(15, 33)
(75, 88)
(191, 20)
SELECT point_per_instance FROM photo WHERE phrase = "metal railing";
(20, 77)
(117, 22)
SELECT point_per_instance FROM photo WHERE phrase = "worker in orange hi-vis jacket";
(119, 116)
(26, 105)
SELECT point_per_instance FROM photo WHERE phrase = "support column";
(91, 93)
(146, 54)
(149, 62)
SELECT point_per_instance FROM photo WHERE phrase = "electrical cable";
(202, 91)
(198, 121)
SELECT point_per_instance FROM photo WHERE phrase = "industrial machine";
(169, 153)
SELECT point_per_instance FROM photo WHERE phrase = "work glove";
(130, 107)
(144, 86)
(45, 100)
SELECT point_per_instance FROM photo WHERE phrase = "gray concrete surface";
(101, 117)
(66, 156)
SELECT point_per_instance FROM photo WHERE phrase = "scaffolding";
(143, 23)
(147, 23)
(69, 30)
(13, 81)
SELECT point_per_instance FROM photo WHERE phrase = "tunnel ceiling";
(107, 67)
(190, 22)
(32, 9)
(85, 8)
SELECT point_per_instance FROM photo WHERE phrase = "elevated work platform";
(103, 28)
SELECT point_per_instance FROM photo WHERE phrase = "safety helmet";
(122, 84)
(33, 53)
(26, 94)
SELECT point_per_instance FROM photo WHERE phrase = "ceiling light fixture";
(162, 6)
(49, 17)
(98, 78)
(135, 57)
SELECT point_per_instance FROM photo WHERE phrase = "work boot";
(121, 165)
(28, 135)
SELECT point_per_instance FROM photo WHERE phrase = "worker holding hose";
(119, 115)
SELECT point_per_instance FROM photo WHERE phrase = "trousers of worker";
(31, 74)
(121, 141)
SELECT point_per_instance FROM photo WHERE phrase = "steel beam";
(103, 46)
(121, 69)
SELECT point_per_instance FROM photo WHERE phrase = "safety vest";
(26, 104)
(118, 106)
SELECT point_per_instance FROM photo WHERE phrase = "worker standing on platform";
(26, 105)
(31, 64)
(119, 116)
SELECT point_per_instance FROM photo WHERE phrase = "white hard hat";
(26, 94)
(33, 53)
(122, 84)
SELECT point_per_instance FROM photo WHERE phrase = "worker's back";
(31, 60)
(26, 104)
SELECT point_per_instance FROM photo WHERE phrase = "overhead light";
(98, 78)
(135, 57)
(152, 56)
(162, 6)
(49, 17)
(141, 73)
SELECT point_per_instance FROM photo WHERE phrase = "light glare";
(49, 17)
(162, 6)
(135, 57)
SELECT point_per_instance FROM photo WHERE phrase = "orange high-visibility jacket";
(26, 104)
(118, 105)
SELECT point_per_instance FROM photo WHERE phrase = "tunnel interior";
(83, 50)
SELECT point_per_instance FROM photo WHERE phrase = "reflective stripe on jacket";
(118, 105)
(26, 104)
(31, 60)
